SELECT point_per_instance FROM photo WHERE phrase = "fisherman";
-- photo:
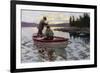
(49, 33)
(41, 26)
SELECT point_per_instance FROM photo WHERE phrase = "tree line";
(82, 21)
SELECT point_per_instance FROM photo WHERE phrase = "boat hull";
(57, 42)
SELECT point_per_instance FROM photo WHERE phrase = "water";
(77, 49)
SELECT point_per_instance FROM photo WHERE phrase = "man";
(41, 26)
(49, 33)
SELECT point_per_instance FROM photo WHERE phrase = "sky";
(53, 17)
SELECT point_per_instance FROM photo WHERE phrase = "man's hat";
(44, 18)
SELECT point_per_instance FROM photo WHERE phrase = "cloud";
(53, 17)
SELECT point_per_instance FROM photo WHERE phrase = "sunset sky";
(52, 17)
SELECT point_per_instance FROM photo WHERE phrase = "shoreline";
(73, 29)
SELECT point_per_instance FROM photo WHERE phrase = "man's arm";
(45, 23)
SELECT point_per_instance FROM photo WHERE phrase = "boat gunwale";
(61, 39)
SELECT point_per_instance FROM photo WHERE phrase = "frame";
(58, 15)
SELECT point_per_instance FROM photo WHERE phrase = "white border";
(20, 65)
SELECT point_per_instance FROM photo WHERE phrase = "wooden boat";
(57, 42)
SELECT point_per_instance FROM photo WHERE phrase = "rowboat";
(57, 42)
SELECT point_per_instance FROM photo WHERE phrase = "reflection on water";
(77, 49)
(85, 37)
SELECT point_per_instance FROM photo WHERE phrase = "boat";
(57, 42)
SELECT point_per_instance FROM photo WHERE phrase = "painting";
(51, 36)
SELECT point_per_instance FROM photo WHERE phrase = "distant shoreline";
(73, 29)
(65, 27)
(27, 24)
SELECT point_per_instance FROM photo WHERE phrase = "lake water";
(77, 49)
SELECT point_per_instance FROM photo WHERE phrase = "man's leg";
(39, 32)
